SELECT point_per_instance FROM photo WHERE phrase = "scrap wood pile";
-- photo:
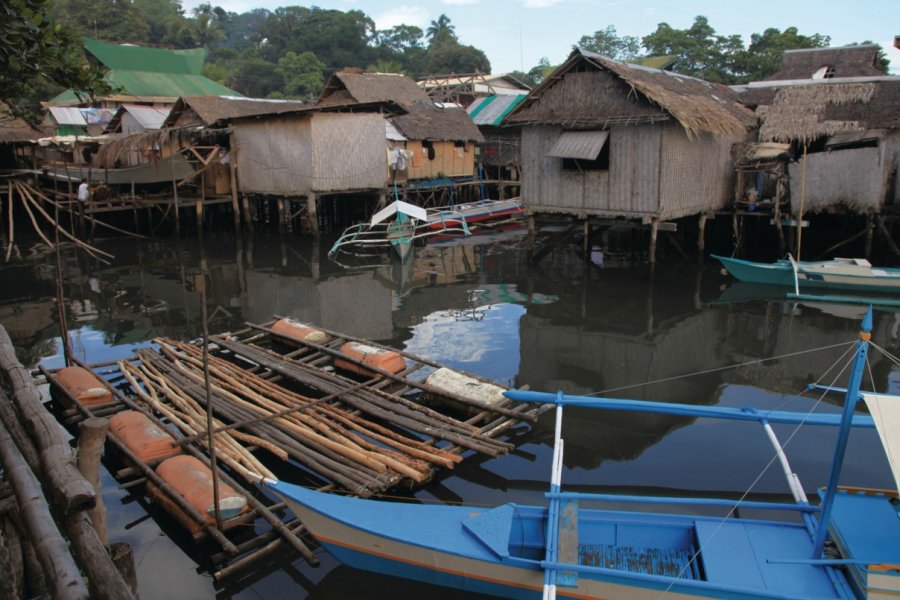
(335, 435)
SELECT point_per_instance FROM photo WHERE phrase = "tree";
(165, 21)
(763, 56)
(37, 51)
(338, 39)
(441, 31)
(456, 58)
(302, 74)
(540, 71)
(208, 29)
(697, 49)
(608, 43)
(255, 77)
(111, 20)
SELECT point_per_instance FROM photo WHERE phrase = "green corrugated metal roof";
(139, 58)
(152, 72)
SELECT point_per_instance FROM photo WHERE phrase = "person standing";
(84, 191)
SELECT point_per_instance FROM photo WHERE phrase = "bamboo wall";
(696, 175)
(449, 160)
(852, 177)
(630, 188)
(295, 155)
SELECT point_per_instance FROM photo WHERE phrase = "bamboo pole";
(49, 544)
(94, 220)
(802, 199)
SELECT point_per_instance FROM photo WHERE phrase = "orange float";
(299, 331)
(146, 440)
(191, 479)
(386, 360)
(84, 386)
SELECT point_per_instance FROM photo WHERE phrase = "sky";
(516, 34)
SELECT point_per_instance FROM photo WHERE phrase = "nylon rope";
(765, 469)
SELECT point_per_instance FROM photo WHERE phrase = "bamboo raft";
(338, 421)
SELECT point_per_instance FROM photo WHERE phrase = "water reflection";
(480, 306)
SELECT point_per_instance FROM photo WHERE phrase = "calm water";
(480, 307)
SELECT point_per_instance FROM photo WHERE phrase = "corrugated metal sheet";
(148, 117)
(491, 109)
(584, 145)
(64, 115)
(392, 133)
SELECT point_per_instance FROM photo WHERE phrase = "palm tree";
(440, 29)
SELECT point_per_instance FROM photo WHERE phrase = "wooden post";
(802, 199)
(49, 544)
(279, 208)
(736, 231)
(870, 232)
(779, 198)
(654, 233)
(123, 558)
(586, 243)
(91, 438)
(235, 209)
(201, 202)
(879, 220)
(701, 234)
(177, 207)
(532, 234)
(312, 213)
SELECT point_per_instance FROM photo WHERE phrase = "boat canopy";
(398, 206)
(885, 411)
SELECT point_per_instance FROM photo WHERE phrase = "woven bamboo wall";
(274, 156)
(630, 188)
(853, 177)
(891, 146)
(295, 155)
(349, 152)
(697, 174)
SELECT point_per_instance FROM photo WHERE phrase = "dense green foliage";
(289, 52)
(37, 55)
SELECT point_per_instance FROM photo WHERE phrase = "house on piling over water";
(430, 142)
(604, 140)
(324, 154)
(838, 119)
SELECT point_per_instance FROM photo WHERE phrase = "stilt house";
(840, 117)
(438, 140)
(601, 139)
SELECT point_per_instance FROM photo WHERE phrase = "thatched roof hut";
(213, 111)
(828, 63)
(802, 113)
(646, 96)
(14, 129)
(424, 120)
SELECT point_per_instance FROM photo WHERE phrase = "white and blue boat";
(847, 545)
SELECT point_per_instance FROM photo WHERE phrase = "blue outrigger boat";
(845, 546)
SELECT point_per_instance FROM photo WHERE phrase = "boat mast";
(851, 397)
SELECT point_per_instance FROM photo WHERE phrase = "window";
(582, 150)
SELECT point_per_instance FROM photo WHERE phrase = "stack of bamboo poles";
(337, 443)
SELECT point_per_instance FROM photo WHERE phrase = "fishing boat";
(845, 546)
(839, 273)
(400, 224)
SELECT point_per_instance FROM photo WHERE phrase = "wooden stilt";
(654, 233)
(870, 231)
(586, 243)
(701, 234)
(736, 232)
(235, 209)
(91, 438)
(279, 204)
(177, 207)
(245, 204)
(201, 203)
(312, 213)
(532, 233)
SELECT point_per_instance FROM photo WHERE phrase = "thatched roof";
(699, 106)
(214, 110)
(14, 129)
(805, 112)
(424, 120)
(843, 61)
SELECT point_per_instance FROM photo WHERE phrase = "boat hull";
(464, 562)
(165, 170)
(820, 275)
